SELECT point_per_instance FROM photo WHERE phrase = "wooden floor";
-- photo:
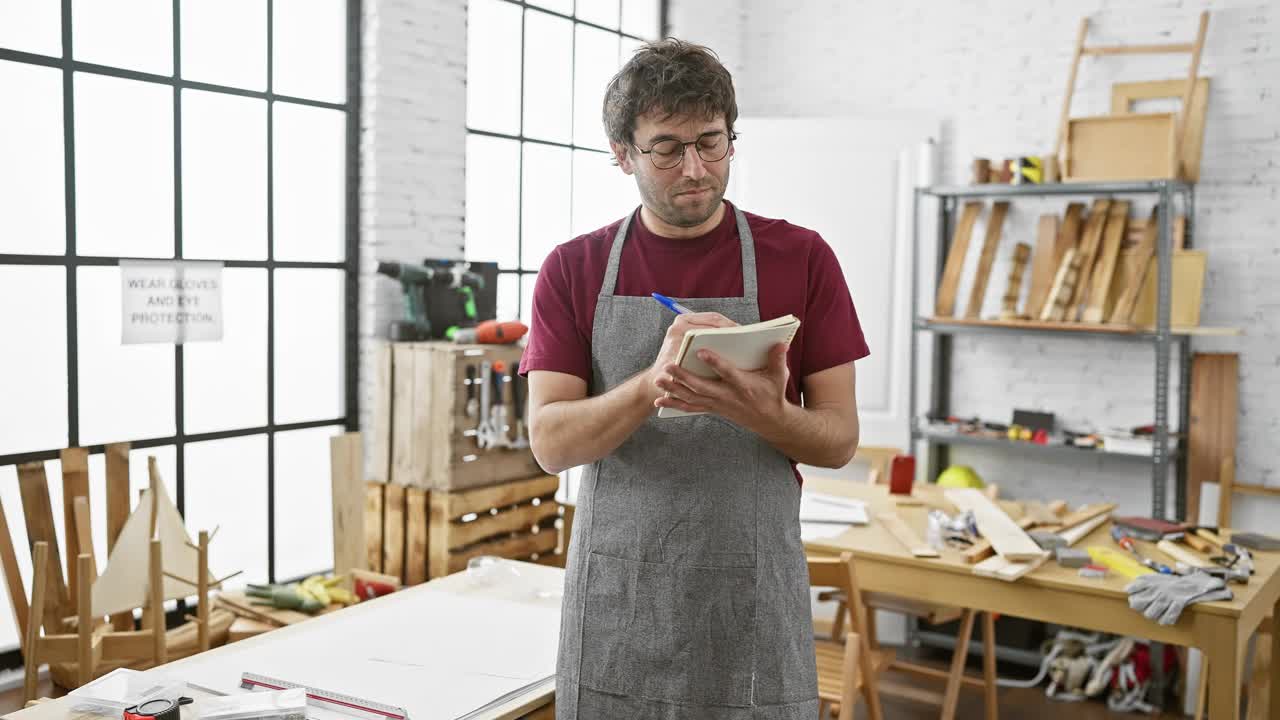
(1015, 704)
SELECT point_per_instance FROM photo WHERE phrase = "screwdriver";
(1127, 543)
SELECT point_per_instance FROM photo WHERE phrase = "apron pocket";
(676, 633)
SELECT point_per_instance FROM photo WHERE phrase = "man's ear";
(622, 156)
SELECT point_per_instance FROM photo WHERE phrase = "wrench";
(484, 430)
(517, 406)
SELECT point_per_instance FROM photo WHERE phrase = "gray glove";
(1162, 598)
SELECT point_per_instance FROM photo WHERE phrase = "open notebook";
(746, 346)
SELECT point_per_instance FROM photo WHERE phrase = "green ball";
(960, 476)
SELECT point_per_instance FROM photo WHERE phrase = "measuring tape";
(158, 709)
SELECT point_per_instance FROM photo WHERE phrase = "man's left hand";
(753, 399)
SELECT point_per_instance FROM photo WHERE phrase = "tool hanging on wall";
(472, 405)
(498, 413)
(484, 429)
(517, 407)
(490, 332)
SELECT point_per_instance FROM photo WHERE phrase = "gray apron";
(687, 592)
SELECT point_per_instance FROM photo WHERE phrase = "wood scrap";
(905, 535)
(978, 291)
(1044, 263)
(1123, 310)
(1008, 539)
(1075, 534)
(981, 549)
(949, 286)
(1087, 513)
(1182, 555)
(346, 455)
(1095, 305)
(1008, 570)
(38, 511)
(1064, 284)
(1009, 303)
(1094, 226)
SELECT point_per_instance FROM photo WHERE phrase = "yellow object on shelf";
(1118, 561)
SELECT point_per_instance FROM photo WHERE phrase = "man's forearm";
(568, 433)
(814, 436)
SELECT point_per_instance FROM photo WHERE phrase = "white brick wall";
(413, 137)
(994, 71)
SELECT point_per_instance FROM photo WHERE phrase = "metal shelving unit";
(1163, 338)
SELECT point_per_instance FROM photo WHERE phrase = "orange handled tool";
(492, 332)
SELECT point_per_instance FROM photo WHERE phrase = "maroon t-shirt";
(796, 273)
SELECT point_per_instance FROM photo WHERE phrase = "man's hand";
(671, 344)
(753, 399)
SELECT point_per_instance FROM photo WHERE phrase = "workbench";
(536, 585)
(1053, 594)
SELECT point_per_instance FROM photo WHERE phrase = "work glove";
(1162, 598)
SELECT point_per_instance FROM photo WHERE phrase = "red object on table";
(902, 473)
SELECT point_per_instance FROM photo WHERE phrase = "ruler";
(325, 700)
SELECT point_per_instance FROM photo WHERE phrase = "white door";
(851, 180)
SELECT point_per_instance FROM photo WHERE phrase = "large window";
(182, 129)
(539, 170)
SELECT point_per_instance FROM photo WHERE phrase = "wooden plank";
(1075, 534)
(1096, 301)
(38, 511)
(1125, 94)
(978, 291)
(1002, 568)
(456, 504)
(1164, 49)
(393, 531)
(346, 453)
(118, 508)
(905, 535)
(245, 628)
(383, 410)
(1064, 285)
(1186, 292)
(155, 601)
(949, 286)
(373, 493)
(1086, 514)
(1009, 540)
(517, 519)
(1009, 303)
(415, 554)
(1214, 414)
(981, 549)
(1182, 555)
(1123, 311)
(83, 575)
(41, 564)
(13, 580)
(80, 521)
(1122, 147)
(1044, 265)
(403, 440)
(1089, 244)
(517, 547)
(75, 483)
(1065, 117)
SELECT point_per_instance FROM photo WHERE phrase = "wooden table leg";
(958, 658)
(1224, 657)
(989, 665)
(1275, 660)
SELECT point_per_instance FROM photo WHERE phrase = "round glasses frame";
(719, 152)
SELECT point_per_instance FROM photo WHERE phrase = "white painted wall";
(995, 72)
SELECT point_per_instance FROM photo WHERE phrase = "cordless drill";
(415, 280)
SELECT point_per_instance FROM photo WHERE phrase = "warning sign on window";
(168, 301)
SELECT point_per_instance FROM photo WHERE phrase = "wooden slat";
(521, 518)
(373, 496)
(415, 554)
(155, 604)
(1002, 568)
(1182, 555)
(1165, 49)
(41, 563)
(1064, 285)
(949, 286)
(244, 628)
(1214, 413)
(128, 644)
(80, 520)
(1065, 115)
(905, 535)
(393, 531)
(978, 291)
(1009, 540)
(13, 580)
(75, 483)
(83, 577)
(1077, 533)
(1094, 226)
(38, 511)
(1009, 303)
(383, 410)
(118, 507)
(1123, 311)
(1044, 263)
(520, 546)
(981, 549)
(346, 453)
(404, 442)
(456, 504)
(202, 591)
(1100, 286)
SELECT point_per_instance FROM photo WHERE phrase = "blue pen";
(671, 305)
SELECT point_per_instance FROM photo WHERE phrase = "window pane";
(304, 507)
(548, 81)
(594, 62)
(508, 296)
(310, 182)
(493, 66)
(225, 383)
(134, 34)
(33, 368)
(309, 52)
(493, 200)
(602, 193)
(225, 42)
(124, 167)
(309, 345)
(126, 391)
(527, 283)
(626, 48)
(545, 217)
(561, 6)
(224, 176)
(11, 498)
(600, 12)
(226, 485)
(32, 214)
(641, 18)
(34, 27)
(166, 462)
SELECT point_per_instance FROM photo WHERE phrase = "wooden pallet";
(515, 520)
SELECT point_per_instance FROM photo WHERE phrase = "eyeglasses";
(711, 147)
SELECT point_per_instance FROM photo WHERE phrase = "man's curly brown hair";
(672, 77)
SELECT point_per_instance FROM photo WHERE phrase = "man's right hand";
(671, 345)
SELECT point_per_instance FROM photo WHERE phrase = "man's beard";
(681, 213)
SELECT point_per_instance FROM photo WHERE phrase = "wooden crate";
(516, 520)
(423, 437)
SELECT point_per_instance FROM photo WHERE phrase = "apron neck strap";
(749, 288)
